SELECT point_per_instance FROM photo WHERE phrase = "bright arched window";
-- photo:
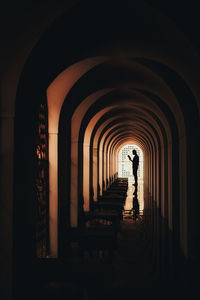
(125, 170)
(125, 165)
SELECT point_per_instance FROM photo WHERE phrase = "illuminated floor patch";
(129, 210)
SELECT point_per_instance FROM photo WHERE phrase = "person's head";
(134, 152)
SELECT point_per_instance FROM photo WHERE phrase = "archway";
(125, 170)
(92, 78)
(124, 166)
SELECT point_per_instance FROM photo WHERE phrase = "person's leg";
(135, 177)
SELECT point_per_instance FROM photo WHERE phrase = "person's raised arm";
(129, 158)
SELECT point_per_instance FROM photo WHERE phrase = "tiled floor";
(130, 272)
(133, 264)
(129, 199)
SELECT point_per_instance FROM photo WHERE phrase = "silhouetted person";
(135, 164)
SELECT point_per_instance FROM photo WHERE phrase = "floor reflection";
(134, 203)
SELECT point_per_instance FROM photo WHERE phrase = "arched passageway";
(79, 101)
